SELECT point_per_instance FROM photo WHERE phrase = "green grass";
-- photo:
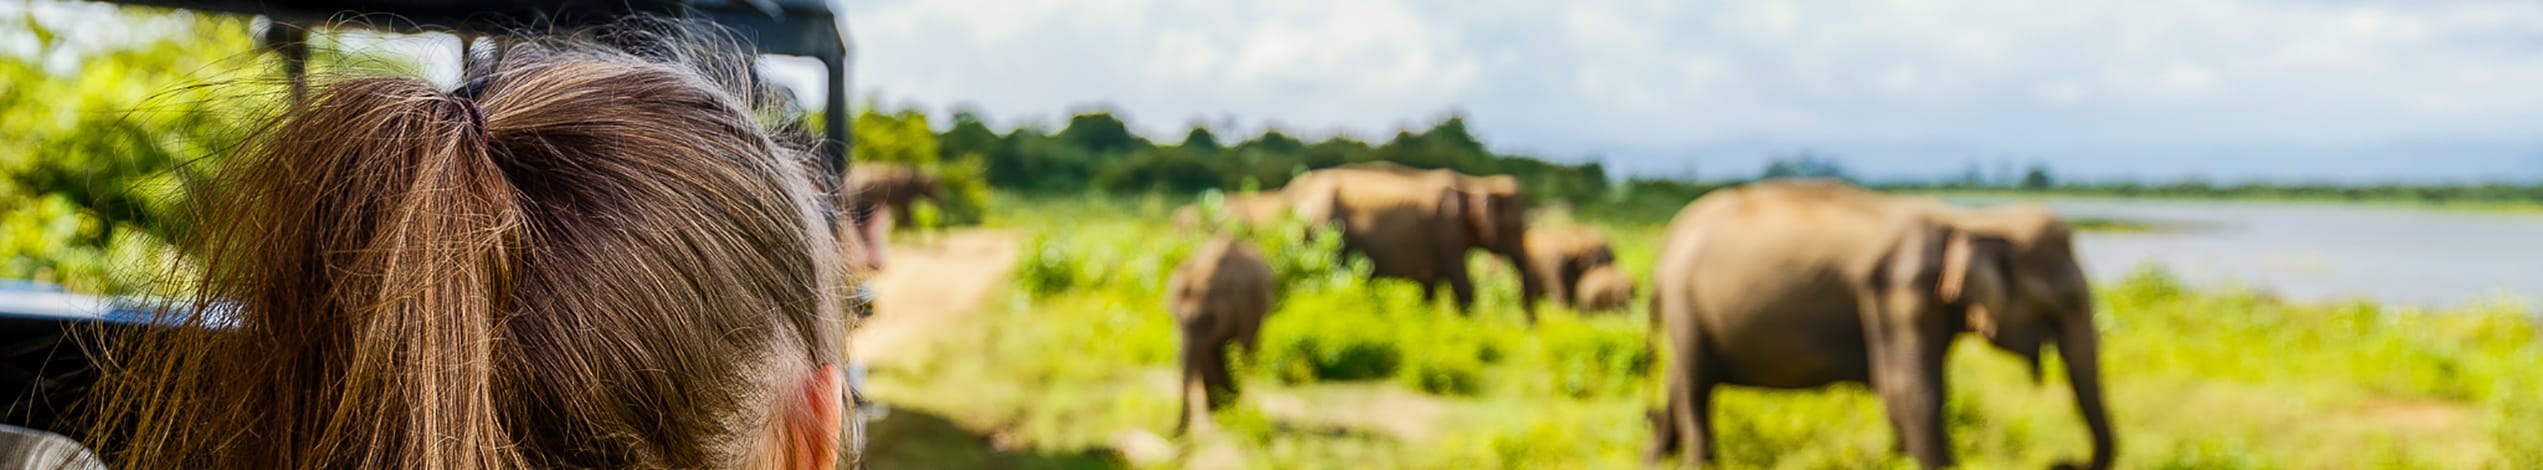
(1355, 374)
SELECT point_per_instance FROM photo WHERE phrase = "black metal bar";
(835, 121)
(292, 43)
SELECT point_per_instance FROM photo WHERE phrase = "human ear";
(812, 431)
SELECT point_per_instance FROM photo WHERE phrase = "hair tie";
(466, 96)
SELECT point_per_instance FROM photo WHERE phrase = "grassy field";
(1075, 368)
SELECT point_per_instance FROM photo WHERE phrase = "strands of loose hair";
(588, 258)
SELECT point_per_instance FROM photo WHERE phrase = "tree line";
(1098, 152)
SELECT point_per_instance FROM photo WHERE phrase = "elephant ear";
(1973, 277)
(1977, 276)
(1478, 207)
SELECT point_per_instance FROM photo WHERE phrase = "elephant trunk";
(2080, 346)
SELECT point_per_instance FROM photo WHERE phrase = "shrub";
(1446, 374)
(1337, 349)
(964, 182)
(1594, 361)
(1046, 269)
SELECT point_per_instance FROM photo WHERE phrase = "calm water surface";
(2321, 251)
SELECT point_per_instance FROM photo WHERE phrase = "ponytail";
(412, 239)
(581, 259)
(369, 245)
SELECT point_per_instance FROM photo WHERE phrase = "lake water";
(2320, 251)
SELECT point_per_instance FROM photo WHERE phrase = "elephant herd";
(1780, 284)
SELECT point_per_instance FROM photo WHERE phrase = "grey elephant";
(1219, 296)
(1419, 224)
(892, 187)
(1604, 288)
(1560, 258)
(1796, 284)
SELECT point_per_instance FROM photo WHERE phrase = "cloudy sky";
(2158, 89)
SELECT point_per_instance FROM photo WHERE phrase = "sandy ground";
(927, 286)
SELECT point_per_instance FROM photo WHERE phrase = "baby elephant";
(1562, 259)
(1218, 295)
(1603, 289)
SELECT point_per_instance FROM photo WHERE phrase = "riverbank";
(2520, 206)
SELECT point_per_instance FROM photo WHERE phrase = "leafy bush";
(1047, 268)
(1311, 345)
(1591, 361)
(1446, 374)
(903, 137)
(964, 182)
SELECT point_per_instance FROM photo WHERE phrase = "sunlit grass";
(1366, 375)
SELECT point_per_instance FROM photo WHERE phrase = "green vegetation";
(103, 136)
(1099, 152)
(95, 152)
(2105, 224)
(904, 137)
(1365, 375)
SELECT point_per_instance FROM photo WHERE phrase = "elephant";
(1799, 284)
(890, 185)
(1419, 224)
(1604, 289)
(1218, 295)
(1246, 210)
(1558, 258)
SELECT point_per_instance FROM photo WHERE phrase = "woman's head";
(581, 258)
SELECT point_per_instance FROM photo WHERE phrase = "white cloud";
(1890, 84)
(1315, 64)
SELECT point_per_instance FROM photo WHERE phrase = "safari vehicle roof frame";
(805, 28)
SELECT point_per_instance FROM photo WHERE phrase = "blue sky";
(2154, 89)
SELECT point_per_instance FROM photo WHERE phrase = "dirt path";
(928, 286)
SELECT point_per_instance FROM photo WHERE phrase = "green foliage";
(103, 134)
(1046, 268)
(2037, 178)
(1302, 254)
(894, 137)
(1338, 348)
(927, 216)
(1101, 133)
(1806, 164)
(1097, 151)
(1200, 139)
(903, 137)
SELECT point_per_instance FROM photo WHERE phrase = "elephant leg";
(1559, 288)
(1691, 405)
(1195, 388)
(1463, 290)
(1664, 434)
(1460, 285)
(1249, 337)
(1908, 345)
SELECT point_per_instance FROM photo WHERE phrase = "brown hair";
(583, 258)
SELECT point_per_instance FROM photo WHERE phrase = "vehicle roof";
(33, 301)
(786, 27)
